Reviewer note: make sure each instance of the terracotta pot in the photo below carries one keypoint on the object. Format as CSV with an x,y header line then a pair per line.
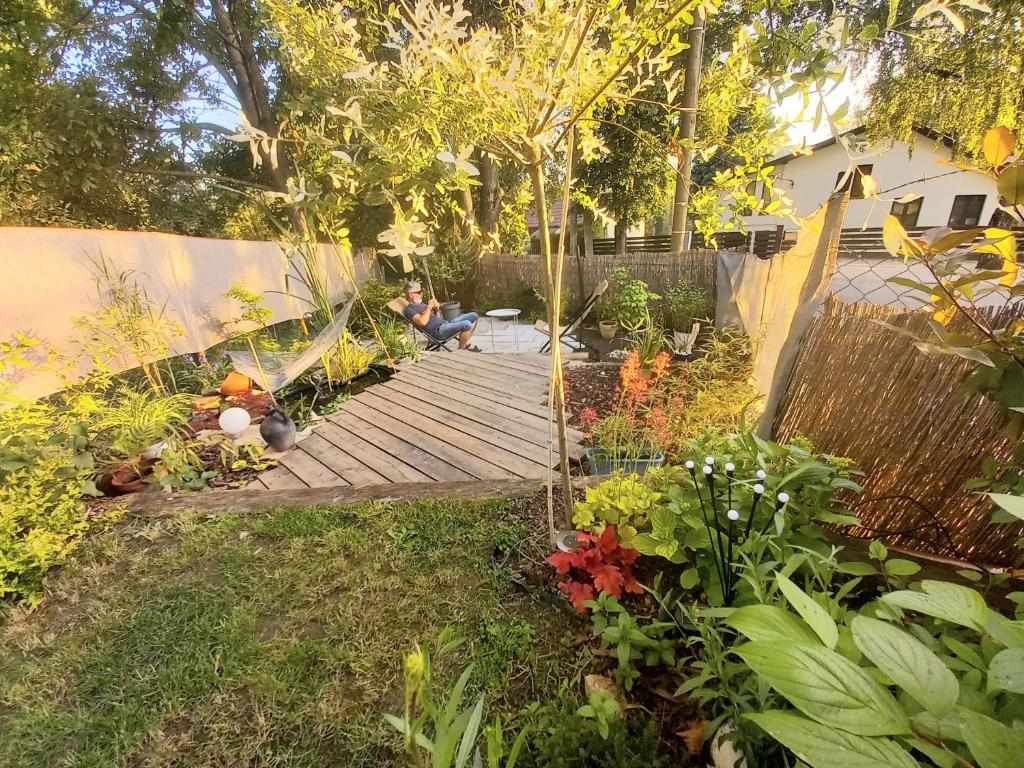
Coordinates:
x,y
235,383
126,477
608,328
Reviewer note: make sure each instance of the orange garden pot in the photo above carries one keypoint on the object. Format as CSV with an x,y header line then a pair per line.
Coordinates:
x,y
235,383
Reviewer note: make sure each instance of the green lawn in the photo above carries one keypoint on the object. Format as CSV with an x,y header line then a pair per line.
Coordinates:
x,y
268,640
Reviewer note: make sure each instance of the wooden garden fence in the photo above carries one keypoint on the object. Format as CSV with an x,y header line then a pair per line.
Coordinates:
x,y
864,391
497,273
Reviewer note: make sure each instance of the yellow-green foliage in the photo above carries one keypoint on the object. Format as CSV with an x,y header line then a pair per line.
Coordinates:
x,y
624,502
43,468
42,518
42,514
349,358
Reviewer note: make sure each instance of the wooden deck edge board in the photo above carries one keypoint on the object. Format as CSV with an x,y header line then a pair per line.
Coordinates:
x,y
249,501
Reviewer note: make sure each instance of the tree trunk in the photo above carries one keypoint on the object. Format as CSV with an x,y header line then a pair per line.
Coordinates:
x,y
553,290
687,129
250,87
588,233
620,238
489,207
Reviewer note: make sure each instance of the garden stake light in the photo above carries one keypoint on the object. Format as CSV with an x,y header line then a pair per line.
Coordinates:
x,y
758,491
781,500
709,474
707,525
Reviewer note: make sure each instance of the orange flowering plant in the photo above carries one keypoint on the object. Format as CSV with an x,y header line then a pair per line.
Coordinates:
x,y
632,430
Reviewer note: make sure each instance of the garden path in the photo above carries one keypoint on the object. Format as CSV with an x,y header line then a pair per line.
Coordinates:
x,y
451,416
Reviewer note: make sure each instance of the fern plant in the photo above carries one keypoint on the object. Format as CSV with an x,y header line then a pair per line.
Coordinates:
x,y
136,420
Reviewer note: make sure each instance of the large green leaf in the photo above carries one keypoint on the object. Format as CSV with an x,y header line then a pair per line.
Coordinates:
x,y
1010,503
1006,672
993,744
822,624
909,663
769,622
827,687
943,600
822,747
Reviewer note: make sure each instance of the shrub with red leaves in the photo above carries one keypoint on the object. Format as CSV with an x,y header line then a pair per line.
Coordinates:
x,y
596,564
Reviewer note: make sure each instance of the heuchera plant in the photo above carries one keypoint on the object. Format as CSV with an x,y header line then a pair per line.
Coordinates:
x,y
597,564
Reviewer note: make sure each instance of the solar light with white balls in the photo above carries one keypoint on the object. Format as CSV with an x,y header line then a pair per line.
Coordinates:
x,y
724,534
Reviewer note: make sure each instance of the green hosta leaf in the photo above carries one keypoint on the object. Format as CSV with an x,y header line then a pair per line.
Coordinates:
x,y
822,624
822,747
1011,504
1004,631
857,568
993,744
769,622
1006,671
908,663
898,567
827,687
943,600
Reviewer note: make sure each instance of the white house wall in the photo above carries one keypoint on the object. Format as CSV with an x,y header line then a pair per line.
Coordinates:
x,y
809,179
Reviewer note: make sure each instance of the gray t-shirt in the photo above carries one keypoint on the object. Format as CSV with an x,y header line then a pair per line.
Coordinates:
x,y
433,324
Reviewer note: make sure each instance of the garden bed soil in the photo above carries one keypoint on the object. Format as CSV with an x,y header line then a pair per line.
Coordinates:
x,y
590,385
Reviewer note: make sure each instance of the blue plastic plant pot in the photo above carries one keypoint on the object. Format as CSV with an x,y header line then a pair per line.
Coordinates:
x,y
602,464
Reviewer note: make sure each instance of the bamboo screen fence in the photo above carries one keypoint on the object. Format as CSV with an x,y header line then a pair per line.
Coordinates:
x,y
497,274
862,390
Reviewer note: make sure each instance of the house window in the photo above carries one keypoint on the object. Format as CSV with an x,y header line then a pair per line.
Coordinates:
x,y
907,213
854,181
966,210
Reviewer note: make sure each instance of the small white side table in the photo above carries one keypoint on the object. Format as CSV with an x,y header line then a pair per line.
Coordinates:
x,y
505,314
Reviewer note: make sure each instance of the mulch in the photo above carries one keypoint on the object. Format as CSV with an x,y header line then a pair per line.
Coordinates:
x,y
591,385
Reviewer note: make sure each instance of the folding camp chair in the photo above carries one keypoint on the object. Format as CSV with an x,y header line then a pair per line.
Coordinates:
x,y
570,334
433,344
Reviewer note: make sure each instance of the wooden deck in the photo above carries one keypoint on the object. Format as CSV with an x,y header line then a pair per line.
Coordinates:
x,y
450,417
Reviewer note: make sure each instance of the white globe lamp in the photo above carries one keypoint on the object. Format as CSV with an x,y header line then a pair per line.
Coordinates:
x,y
234,421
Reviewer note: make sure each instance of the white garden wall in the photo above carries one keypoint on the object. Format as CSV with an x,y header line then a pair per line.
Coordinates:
x,y
48,279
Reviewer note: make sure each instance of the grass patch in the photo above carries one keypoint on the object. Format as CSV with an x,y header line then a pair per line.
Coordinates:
x,y
273,640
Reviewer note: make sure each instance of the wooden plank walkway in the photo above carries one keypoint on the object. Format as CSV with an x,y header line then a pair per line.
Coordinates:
x,y
450,417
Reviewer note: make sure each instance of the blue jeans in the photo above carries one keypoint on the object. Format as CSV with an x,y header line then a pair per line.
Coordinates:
x,y
460,324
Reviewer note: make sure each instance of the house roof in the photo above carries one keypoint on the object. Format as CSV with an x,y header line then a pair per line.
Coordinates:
x,y
926,132
554,220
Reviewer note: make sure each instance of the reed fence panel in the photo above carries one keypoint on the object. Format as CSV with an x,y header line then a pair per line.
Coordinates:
x,y
497,274
864,391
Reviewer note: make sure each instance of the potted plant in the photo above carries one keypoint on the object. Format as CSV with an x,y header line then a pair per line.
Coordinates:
x,y
622,442
608,329
137,423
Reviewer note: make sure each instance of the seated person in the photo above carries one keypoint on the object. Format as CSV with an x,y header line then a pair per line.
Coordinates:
x,y
428,317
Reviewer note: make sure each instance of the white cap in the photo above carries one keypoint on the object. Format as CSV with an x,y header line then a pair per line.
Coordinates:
x,y
689,464
709,460
729,466
761,474
783,497
758,488
732,514
708,470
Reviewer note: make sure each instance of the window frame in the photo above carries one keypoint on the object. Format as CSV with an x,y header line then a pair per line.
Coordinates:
x,y
903,214
855,181
964,219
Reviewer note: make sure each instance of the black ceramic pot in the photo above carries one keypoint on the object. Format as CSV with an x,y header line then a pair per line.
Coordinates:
x,y
278,430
